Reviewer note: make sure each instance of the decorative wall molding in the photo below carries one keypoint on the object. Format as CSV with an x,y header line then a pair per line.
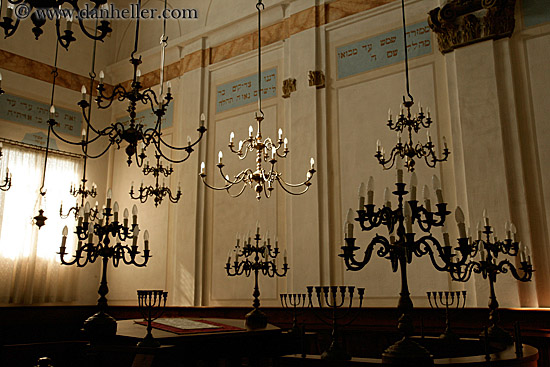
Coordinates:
x,y
316,16
463,22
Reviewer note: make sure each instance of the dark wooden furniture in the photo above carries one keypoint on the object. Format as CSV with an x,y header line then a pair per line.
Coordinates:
x,y
506,358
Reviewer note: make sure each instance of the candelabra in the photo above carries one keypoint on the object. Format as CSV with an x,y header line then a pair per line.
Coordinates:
x,y
101,325
159,192
451,299
7,180
40,11
266,151
400,247
137,136
489,266
295,302
329,296
151,305
256,258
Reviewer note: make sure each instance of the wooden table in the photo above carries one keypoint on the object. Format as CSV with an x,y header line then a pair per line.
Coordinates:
x,y
206,348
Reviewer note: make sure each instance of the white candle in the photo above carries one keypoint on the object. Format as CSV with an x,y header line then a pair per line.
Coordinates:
x,y
280,134
91,233
514,232
362,195
399,163
478,230
437,187
231,137
220,157
203,169
134,214
65,232
485,218
86,212
115,209
387,198
109,196
426,194
146,239
126,215
459,216
414,182
101,77
135,234
203,120
312,163
250,131
349,222
370,190
83,91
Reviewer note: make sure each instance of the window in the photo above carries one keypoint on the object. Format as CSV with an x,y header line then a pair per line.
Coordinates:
x,y
29,264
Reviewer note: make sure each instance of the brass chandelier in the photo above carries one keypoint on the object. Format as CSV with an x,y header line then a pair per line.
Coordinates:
x,y
40,11
267,151
407,123
136,135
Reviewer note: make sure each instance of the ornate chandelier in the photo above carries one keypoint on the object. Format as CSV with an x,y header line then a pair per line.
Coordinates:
x,y
40,11
407,123
137,136
157,191
266,151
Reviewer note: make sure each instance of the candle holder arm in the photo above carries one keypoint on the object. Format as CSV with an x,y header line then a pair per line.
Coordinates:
x,y
350,248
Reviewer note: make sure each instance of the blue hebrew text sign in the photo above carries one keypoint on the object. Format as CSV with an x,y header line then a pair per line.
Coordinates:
x,y
39,139
148,119
244,91
33,113
383,50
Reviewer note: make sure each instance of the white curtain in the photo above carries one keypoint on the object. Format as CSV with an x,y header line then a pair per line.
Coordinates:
x,y
30,269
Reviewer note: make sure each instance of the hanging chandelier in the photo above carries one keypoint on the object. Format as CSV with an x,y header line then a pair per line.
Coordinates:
x,y
407,123
40,11
136,135
159,192
266,151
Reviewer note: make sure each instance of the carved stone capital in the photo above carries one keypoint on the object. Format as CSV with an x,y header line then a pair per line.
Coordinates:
x,y
463,22
316,78
289,86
